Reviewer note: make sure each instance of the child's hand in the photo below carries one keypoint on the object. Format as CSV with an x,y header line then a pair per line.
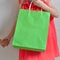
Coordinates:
x,y
5,42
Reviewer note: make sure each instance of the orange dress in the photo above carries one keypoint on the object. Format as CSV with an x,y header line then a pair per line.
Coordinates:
x,y
52,50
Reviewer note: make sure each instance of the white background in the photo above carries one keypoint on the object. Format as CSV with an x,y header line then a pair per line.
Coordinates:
x,y
10,53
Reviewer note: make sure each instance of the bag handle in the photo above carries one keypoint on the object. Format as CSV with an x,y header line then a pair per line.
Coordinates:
x,y
31,5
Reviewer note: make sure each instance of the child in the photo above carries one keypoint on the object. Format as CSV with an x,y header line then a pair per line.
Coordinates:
x,y
52,48
49,8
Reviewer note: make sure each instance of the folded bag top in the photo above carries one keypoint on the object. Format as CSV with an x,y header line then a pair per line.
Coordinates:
x,y
31,30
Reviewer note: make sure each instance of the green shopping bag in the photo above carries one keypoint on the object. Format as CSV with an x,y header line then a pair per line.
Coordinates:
x,y
31,30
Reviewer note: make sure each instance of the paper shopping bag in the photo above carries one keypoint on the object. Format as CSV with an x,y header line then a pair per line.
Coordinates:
x,y
31,30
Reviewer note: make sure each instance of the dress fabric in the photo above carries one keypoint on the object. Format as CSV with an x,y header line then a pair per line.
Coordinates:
x,y
52,50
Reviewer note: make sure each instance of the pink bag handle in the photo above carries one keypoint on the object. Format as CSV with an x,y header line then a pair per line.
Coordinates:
x,y
31,5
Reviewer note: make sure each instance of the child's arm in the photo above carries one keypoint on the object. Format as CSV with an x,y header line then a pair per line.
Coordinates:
x,y
5,41
12,30
54,8
21,1
50,8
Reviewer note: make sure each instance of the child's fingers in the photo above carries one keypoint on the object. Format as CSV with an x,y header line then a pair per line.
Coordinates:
x,y
5,43
2,44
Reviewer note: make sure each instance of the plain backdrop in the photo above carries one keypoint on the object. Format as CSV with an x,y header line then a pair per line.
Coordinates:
x,y
10,53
